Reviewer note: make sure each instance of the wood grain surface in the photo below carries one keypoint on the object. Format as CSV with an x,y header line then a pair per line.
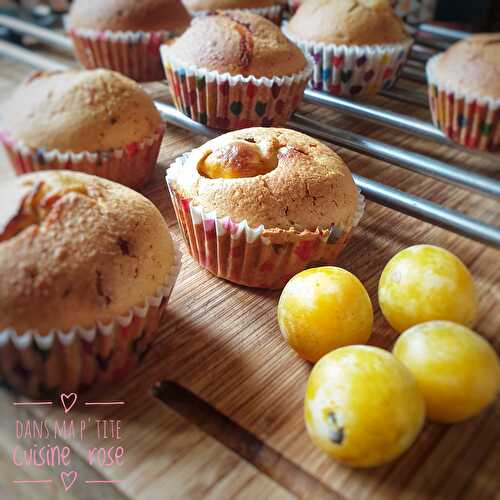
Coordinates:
x,y
227,421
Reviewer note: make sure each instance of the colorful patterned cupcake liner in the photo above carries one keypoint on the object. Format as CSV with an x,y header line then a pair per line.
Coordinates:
x,y
70,361
468,119
133,53
274,13
227,102
254,257
353,71
131,165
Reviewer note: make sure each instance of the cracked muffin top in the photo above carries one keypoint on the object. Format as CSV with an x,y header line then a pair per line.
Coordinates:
x,y
239,43
129,15
347,22
86,250
208,5
471,65
277,177
77,111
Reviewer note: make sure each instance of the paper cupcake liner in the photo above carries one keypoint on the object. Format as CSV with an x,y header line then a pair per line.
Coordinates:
x,y
353,71
466,118
131,165
133,53
226,102
254,257
274,13
70,361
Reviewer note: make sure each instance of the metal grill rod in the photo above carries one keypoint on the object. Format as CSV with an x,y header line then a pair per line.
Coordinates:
x,y
442,32
373,190
45,35
405,95
406,159
409,160
378,115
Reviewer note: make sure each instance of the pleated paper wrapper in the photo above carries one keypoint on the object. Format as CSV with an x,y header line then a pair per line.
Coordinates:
x,y
231,102
254,257
135,54
85,356
353,70
131,165
466,118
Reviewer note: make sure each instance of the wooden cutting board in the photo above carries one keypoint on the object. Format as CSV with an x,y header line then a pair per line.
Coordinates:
x,y
226,421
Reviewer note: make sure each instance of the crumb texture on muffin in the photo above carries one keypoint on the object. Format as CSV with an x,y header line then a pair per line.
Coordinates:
x,y
76,249
471,65
129,15
77,111
349,22
305,185
239,43
204,5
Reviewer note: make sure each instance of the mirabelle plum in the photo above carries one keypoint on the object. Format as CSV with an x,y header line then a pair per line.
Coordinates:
x,y
324,308
425,283
457,370
362,406
238,159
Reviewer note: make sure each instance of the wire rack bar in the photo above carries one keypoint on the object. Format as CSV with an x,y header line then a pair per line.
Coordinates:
x,y
409,160
373,190
406,159
410,125
442,32
405,95
43,34
413,74
25,56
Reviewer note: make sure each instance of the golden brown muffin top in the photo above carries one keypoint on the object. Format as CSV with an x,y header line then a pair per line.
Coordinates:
x,y
304,185
76,249
347,22
471,65
239,43
203,5
79,111
129,15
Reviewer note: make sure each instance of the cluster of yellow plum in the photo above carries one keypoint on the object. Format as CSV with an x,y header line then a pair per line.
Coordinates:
x,y
365,406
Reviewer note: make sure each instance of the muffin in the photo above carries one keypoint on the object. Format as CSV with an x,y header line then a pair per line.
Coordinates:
x,y
358,46
259,205
94,266
245,72
464,91
125,35
99,122
271,9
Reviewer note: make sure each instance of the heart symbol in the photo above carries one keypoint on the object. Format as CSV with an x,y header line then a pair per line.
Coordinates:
x,y
345,76
338,61
361,61
236,108
387,73
260,108
356,89
275,90
335,89
68,479
368,76
68,401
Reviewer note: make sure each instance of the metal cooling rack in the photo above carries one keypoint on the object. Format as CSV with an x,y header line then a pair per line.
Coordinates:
x,y
429,39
